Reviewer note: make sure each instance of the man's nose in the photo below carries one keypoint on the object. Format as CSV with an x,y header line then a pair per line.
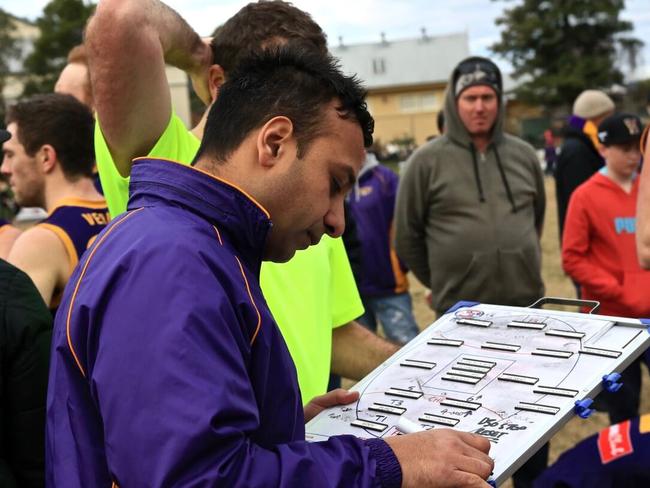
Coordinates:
x,y
5,167
335,219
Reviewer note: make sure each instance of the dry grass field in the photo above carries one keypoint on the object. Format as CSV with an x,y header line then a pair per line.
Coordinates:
x,y
558,285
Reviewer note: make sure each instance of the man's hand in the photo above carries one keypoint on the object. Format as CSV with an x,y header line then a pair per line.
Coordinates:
x,y
200,75
329,399
442,458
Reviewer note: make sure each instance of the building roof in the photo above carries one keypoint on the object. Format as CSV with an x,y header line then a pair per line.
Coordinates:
x,y
423,60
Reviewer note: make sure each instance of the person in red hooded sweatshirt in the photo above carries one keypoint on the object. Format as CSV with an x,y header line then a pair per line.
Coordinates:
x,y
598,246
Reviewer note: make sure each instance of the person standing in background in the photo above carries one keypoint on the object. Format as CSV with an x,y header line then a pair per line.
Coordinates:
x,y
643,207
8,233
550,152
49,161
383,285
25,335
579,156
470,208
598,246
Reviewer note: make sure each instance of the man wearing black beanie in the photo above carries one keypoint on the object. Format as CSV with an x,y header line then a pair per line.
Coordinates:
x,y
470,207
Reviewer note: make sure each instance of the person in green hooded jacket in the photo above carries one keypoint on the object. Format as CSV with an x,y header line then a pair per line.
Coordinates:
x,y
470,208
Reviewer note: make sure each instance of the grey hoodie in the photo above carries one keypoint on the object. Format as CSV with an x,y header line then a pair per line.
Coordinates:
x,y
469,226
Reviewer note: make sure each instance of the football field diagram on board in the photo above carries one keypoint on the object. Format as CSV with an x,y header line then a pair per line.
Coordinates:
x,y
510,374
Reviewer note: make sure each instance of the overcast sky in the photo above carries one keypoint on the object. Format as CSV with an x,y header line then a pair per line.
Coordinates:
x,y
364,20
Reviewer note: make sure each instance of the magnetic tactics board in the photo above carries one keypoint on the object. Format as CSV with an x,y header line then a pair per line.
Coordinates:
x,y
510,374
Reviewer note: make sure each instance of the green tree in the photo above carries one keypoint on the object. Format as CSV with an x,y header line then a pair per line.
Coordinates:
x,y
637,98
61,25
559,48
8,50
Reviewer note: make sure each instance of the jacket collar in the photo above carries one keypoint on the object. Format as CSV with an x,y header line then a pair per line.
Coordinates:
x,y
231,210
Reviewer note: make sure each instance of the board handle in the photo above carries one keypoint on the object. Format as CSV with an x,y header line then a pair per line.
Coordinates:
x,y
566,301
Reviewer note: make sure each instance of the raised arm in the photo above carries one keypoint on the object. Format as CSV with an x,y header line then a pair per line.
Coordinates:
x,y
128,45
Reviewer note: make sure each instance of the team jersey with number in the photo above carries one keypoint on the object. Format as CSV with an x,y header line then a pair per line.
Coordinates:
x,y
76,222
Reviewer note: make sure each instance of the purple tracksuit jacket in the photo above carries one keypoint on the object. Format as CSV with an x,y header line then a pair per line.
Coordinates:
x,y
616,457
372,204
167,366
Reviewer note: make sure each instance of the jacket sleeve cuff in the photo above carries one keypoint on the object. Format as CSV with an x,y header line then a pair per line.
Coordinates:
x,y
389,472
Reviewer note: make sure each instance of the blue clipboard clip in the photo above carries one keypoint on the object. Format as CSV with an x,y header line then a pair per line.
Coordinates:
x,y
611,382
583,408
646,322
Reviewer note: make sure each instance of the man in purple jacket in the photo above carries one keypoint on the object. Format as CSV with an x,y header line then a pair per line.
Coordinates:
x,y
168,368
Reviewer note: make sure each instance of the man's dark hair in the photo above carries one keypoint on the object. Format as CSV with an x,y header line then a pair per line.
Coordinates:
x,y
60,121
287,81
261,25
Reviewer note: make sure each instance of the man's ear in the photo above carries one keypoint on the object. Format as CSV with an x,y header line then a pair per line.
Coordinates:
x,y
276,141
46,156
216,78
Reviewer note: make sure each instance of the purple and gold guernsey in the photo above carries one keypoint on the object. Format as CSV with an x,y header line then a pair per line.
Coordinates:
x,y
8,234
76,222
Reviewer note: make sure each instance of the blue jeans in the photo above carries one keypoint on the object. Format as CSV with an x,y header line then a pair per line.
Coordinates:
x,y
395,313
